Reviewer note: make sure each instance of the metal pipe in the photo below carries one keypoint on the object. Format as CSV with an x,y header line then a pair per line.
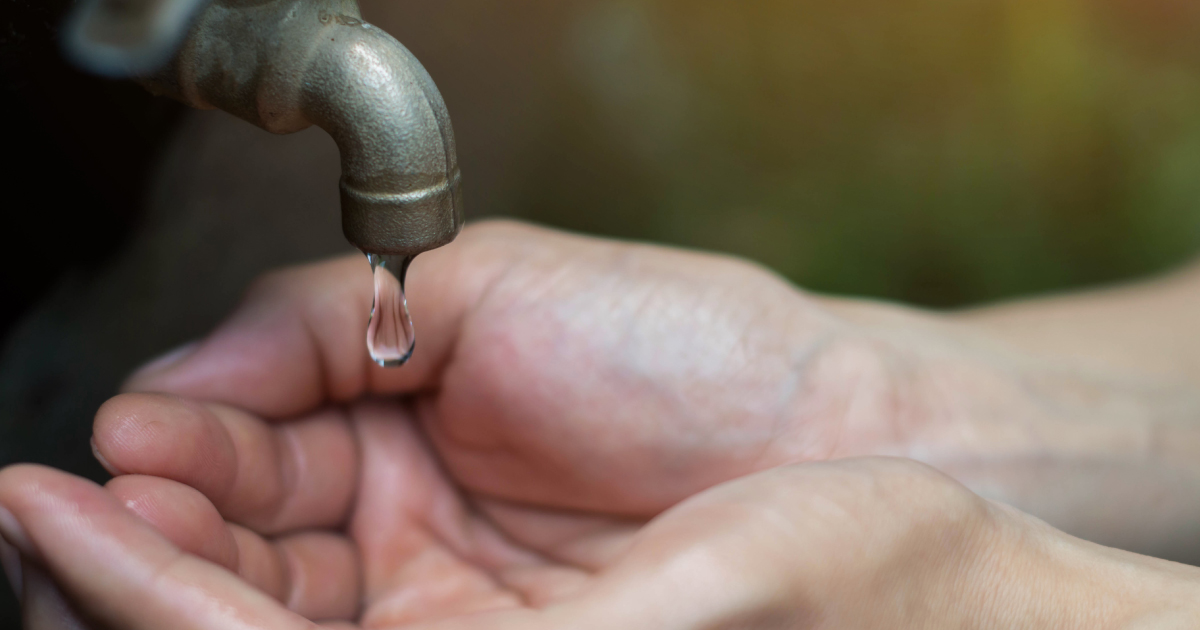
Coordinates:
x,y
287,64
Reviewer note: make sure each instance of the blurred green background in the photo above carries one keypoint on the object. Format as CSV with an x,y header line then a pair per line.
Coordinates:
x,y
936,152
933,151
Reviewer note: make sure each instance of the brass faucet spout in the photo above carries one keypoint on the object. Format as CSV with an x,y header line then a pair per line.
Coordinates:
x,y
287,64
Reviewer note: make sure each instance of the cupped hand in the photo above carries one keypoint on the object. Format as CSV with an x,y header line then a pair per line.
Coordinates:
x,y
564,371
586,374
863,543
565,391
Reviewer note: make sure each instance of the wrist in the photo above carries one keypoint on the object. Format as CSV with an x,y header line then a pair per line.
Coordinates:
x,y
1062,441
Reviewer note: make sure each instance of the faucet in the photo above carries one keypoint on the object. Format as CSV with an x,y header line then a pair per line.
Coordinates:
x,y
285,65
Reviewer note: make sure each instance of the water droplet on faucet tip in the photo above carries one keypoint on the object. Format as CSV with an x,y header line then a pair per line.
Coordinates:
x,y
390,338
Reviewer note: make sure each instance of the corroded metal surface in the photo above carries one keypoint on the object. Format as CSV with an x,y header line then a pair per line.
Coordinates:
x,y
287,64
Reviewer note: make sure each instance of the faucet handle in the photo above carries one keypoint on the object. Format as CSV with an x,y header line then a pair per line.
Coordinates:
x,y
126,38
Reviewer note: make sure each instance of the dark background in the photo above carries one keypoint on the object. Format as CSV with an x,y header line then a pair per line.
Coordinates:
x,y
941,153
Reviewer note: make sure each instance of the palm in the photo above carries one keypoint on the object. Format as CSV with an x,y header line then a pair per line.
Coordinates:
x,y
624,379
431,550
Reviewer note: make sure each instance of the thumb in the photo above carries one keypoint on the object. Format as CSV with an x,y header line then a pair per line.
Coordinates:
x,y
299,338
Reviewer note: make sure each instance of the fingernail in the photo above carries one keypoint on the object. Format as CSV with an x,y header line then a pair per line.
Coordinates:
x,y
163,362
13,532
10,558
100,458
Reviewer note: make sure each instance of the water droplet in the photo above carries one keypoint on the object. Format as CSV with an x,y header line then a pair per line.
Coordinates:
x,y
390,338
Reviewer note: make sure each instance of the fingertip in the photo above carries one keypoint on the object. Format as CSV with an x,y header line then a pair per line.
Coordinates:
x,y
17,481
181,514
165,436
16,475
104,463
27,488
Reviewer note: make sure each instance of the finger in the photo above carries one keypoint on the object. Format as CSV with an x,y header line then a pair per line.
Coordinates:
x,y
318,575
181,514
191,522
298,337
272,479
43,606
116,568
260,564
314,574
323,575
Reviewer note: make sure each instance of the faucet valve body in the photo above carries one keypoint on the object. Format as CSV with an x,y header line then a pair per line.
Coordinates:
x,y
287,64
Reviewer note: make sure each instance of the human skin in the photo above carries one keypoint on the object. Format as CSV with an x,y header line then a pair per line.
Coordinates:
x,y
1082,409
566,385
857,543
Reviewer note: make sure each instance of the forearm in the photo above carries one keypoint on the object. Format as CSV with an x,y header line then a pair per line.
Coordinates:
x,y
1151,328
1128,363
1083,410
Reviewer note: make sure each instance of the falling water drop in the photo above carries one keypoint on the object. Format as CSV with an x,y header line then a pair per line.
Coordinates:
x,y
390,338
